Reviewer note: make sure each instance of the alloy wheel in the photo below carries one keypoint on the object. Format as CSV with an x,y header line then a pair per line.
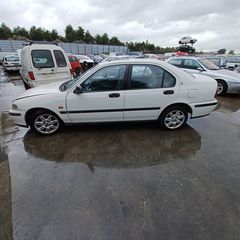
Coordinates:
x,y
46,123
174,119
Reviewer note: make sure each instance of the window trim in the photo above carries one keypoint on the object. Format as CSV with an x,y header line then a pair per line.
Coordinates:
x,y
164,70
58,50
125,79
33,63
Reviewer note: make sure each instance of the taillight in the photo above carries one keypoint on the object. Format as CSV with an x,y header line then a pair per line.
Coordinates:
x,y
31,75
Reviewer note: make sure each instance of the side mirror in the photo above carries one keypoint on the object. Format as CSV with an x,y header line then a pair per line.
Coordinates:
x,y
78,90
200,69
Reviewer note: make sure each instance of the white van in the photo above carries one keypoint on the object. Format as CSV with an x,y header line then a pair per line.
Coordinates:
x,y
44,63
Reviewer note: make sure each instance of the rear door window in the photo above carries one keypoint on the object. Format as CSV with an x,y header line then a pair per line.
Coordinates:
x,y
42,59
60,59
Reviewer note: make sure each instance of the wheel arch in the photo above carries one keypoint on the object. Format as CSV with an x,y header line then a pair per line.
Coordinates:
x,y
184,105
32,110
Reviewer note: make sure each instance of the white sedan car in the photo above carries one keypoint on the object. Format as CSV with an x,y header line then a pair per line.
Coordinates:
x,y
126,90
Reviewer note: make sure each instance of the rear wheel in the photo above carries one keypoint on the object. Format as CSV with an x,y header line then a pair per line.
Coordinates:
x,y
173,117
45,123
221,87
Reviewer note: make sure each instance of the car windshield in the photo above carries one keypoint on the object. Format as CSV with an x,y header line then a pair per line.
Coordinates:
x,y
68,84
12,59
209,65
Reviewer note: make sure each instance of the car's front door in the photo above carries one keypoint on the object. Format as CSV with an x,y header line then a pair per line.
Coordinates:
x,y
151,89
101,98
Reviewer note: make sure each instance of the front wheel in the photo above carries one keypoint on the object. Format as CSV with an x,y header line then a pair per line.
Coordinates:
x,y
173,118
45,123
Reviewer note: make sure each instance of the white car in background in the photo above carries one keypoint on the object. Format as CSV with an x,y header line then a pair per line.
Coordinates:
x,y
11,63
187,39
86,62
44,63
228,81
126,90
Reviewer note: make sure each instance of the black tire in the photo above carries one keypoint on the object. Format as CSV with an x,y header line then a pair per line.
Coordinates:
x,y
49,122
221,88
168,122
26,86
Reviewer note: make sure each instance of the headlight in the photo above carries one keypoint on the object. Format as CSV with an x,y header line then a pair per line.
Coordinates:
x,y
14,106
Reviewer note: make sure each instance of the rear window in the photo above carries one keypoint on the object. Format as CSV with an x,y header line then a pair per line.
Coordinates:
x,y
60,59
42,59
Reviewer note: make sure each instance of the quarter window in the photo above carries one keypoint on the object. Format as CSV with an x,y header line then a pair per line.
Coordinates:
x,y
60,59
42,59
106,79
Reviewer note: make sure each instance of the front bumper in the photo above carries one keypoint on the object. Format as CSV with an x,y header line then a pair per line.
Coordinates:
x,y
203,108
12,68
18,117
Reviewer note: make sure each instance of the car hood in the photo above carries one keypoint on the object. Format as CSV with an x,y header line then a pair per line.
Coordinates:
x,y
41,90
223,73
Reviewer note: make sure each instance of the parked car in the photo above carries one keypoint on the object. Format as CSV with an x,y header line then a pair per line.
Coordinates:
x,y
44,63
11,63
76,68
218,61
228,81
126,90
232,62
86,62
187,39
115,58
96,58
237,69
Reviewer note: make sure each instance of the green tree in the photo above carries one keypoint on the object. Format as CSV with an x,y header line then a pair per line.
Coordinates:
x,y
5,31
105,39
88,38
222,51
54,35
37,34
98,39
80,34
231,52
70,34
115,41
20,31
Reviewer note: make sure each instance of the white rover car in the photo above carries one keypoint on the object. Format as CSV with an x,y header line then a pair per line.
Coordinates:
x,y
126,90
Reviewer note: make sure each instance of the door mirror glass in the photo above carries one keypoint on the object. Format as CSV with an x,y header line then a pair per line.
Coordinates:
x,y
200,69
78,90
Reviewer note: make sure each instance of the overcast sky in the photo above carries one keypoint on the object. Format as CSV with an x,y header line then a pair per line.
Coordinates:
x,y
215,23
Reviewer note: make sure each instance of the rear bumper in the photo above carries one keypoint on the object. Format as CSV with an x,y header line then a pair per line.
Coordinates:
x,y
202,109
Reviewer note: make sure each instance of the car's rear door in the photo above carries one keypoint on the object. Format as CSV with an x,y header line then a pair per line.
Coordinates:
x,y
102,97
151,88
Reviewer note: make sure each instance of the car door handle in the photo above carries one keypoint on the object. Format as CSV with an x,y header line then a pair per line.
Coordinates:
x,y
168,92
114,95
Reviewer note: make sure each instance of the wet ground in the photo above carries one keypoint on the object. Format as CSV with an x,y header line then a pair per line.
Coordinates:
x,y
113,182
